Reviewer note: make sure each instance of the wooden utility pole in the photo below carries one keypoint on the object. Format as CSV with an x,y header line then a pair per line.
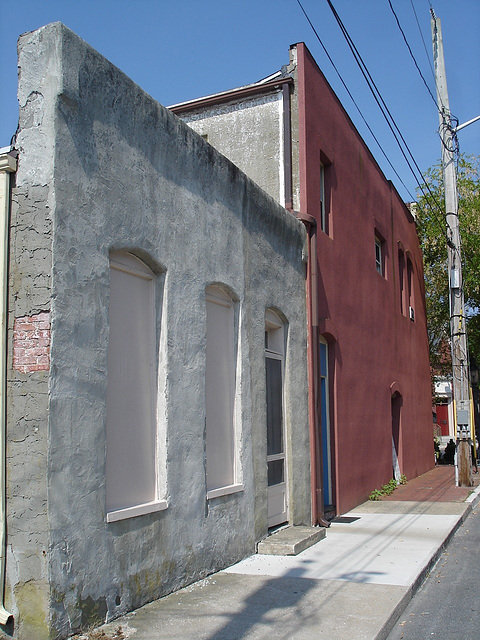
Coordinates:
x,y
460,381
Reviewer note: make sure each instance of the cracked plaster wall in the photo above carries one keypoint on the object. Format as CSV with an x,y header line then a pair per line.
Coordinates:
x,y
104,167
29,295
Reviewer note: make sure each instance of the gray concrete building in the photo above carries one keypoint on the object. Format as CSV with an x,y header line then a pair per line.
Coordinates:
x,y
157,409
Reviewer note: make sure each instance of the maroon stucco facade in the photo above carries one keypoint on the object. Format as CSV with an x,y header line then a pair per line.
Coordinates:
x,y
378,356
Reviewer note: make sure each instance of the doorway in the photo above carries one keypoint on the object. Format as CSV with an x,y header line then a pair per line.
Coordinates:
x,y
396,403
276,456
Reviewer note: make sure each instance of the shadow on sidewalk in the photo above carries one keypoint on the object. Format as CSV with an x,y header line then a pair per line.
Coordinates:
x,y
287,607
278,597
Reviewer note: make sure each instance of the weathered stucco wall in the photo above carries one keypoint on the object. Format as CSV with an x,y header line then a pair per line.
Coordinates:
x,y
249,143
370,337
105,167
30,299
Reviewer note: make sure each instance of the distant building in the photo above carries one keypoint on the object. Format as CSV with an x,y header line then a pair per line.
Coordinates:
x,y
370,397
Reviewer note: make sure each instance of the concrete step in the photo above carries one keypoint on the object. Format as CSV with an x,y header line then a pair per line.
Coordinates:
x,y
290,541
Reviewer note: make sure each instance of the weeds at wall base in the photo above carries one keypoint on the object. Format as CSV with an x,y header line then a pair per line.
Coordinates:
x,y
387,489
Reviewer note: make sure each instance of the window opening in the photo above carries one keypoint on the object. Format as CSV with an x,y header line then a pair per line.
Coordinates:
x,y
323,219
379,255
401,278
411,312
220,390
131,427
276,457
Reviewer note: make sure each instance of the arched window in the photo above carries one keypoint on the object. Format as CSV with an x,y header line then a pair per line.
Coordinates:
x,y
131,430
220,369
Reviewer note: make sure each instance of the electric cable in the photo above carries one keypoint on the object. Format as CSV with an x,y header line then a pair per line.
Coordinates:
x,y
353,99
377,95
422,184
384,109
423,40
411,54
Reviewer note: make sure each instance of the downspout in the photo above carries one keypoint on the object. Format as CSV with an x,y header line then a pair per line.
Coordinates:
x,y
316,453
8,165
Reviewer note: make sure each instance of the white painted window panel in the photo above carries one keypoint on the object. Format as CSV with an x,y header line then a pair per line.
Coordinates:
x,y
220,388
131,432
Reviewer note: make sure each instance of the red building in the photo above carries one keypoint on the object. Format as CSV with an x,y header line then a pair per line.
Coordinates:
x,y
370,409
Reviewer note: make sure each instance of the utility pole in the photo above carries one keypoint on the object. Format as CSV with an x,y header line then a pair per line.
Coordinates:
x,y
460,382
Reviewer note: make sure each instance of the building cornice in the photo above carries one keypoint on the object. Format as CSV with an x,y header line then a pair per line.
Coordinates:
x,y
232,95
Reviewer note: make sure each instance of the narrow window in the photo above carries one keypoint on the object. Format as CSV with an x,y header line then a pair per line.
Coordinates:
x,y
131,430
401,280
379,255
411,311
323,215
220,390
325,173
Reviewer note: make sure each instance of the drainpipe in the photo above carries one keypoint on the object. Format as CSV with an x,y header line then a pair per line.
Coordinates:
x,y
8,165
316,453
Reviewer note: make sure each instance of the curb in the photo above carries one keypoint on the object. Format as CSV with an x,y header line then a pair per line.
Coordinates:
x,y
470,504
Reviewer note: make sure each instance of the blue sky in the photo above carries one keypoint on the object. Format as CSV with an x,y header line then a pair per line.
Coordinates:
x,y
181,50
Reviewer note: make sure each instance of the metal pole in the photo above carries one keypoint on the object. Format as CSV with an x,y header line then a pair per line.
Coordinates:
x,y
460,375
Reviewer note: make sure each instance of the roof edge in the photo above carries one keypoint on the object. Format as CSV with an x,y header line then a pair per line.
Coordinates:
x,y
228,96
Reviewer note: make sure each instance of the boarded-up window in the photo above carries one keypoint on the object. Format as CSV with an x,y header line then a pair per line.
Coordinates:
x,y
220,389
131,477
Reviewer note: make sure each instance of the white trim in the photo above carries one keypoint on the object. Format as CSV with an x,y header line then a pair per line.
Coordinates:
x,y
7,162
281,159
224,491
137,510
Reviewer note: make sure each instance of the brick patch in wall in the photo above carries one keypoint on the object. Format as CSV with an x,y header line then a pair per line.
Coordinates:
x,y
31,343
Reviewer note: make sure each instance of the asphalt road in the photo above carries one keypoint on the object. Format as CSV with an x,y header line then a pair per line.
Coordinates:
x,y
447,606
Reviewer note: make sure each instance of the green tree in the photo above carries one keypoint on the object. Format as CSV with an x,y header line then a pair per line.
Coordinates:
x,y
432,234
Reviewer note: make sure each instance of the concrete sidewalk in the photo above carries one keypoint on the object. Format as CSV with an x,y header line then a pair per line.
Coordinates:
x,y
354,583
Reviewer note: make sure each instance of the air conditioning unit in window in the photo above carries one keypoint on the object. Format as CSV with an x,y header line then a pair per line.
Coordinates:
x,y
411,314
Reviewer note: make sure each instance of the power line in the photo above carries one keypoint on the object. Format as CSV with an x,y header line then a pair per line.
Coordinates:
x,y
411,53
422,184
353,99
390,120
423,40
384,109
